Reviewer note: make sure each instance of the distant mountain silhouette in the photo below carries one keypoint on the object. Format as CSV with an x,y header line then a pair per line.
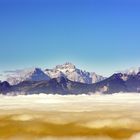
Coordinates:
x,y
119,82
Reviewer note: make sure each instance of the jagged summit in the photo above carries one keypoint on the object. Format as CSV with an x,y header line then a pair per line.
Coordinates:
x,y
129,72
66,65
72,73
132,71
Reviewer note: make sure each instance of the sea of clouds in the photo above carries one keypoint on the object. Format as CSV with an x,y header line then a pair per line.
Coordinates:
x,y
72,102
120,110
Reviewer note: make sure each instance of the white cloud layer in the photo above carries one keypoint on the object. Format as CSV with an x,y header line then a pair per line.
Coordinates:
x,y
119,111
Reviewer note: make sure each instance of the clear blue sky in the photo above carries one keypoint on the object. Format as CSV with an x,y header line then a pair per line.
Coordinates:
x,y
96,35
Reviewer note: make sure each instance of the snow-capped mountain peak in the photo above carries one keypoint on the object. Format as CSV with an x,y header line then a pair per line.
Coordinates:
x,y
70,71
129,72
30,74
66,66
132,71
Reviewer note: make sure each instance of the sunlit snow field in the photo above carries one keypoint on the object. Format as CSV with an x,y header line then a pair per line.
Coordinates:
x,y
81,117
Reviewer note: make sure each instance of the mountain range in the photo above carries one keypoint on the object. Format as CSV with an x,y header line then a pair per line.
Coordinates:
x,y
67,70
67,79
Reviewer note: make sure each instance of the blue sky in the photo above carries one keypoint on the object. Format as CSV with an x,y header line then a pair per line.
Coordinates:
x,y
96,35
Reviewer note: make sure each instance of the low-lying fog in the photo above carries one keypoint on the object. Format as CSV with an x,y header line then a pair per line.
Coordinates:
x,y
71,117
